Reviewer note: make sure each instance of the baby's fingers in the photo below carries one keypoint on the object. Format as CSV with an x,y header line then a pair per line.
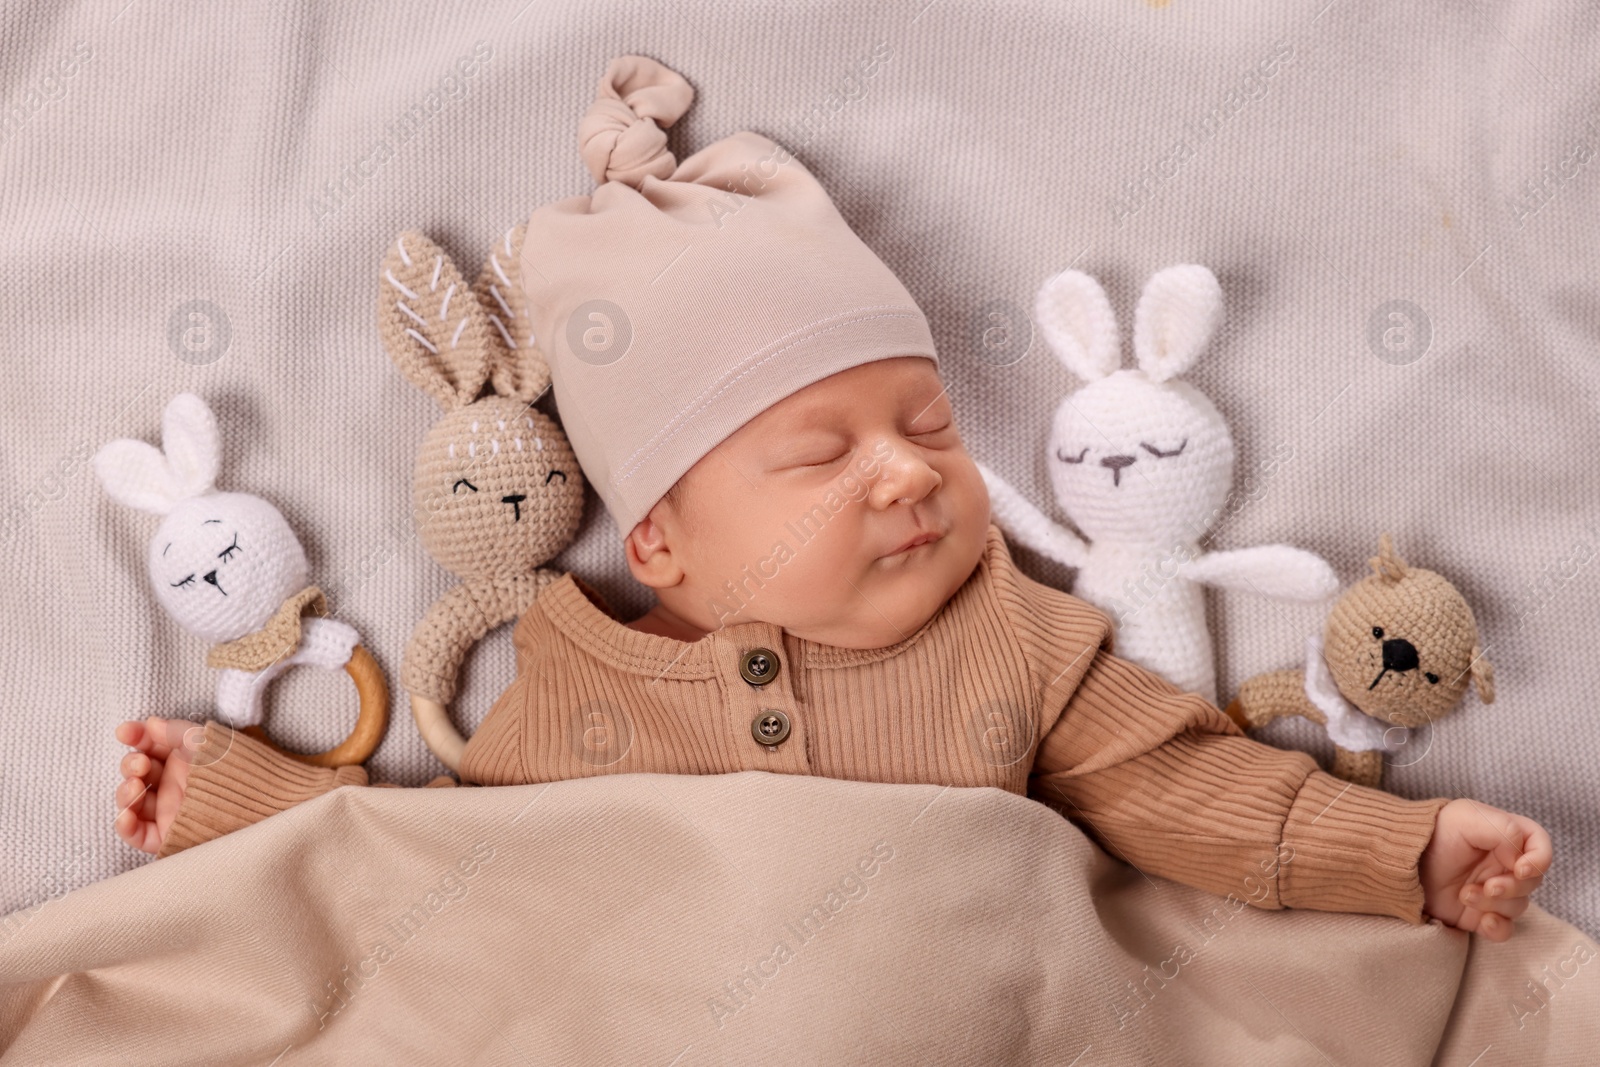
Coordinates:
x,y
1537,851
1507,907
139,765
1486,924
156,737
134,794
140,833
1505,887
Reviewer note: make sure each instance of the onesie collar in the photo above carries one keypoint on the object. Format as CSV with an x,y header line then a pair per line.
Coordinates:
x,y
578,610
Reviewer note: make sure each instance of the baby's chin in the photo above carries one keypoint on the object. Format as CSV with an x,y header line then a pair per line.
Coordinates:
x,y
896,596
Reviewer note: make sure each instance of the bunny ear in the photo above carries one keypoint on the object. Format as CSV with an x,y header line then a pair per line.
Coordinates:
x,y
136,475
1177,315
436,333
1078,324
519,368
139,476
192,444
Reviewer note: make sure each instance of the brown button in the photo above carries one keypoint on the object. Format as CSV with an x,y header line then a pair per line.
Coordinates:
x,y
770,727
758,666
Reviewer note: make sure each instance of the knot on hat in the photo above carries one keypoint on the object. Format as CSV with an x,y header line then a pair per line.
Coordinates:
x,y
622,137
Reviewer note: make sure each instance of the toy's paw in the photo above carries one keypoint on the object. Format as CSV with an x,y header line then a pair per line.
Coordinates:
x,y
1361,768
326,643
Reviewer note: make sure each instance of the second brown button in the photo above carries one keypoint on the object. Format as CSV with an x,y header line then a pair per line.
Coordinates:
x,y
770,726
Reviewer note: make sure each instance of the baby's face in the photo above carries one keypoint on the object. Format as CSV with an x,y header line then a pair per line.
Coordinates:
x,y
799,517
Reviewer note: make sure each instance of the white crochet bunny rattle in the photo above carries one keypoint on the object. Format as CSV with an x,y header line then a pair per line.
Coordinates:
x,y
1142,462
228,569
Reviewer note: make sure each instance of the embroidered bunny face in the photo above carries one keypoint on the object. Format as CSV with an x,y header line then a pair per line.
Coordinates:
x,y
1137,457
497,490
223,563
1138,461
220,563
491,470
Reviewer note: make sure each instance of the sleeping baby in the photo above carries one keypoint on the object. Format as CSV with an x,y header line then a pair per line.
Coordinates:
x,y
757,400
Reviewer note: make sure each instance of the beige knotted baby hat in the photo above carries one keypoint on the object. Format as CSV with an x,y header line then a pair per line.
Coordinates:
x,y
678,301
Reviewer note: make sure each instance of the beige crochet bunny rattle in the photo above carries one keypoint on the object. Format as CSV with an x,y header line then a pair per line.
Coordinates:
x,y
498,490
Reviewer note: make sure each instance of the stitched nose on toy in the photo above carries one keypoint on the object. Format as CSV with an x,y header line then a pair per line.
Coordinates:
x,y
1398,655
1116,463
211,576
515,500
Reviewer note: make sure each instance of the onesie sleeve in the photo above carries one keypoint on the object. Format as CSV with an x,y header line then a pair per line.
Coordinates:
x,y
1165,781
235,780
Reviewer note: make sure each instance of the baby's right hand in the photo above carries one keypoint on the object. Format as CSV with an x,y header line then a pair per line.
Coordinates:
x,y
154,778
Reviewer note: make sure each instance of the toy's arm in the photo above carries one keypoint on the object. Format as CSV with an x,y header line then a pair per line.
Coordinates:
x,y
456,622
1280,571
239,694
1028,526
323,643
235,780
1272,696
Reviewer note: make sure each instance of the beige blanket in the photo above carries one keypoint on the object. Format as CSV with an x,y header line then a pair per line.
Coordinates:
x,y
739,919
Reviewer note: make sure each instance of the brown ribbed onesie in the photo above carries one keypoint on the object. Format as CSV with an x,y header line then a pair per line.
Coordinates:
x,y
1012,684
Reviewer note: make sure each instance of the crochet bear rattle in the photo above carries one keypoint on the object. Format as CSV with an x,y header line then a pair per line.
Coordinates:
x,y
228,569
1399,650
497,491
1142,463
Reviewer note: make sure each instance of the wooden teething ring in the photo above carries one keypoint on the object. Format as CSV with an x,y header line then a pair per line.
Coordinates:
x,y
371,720
433,722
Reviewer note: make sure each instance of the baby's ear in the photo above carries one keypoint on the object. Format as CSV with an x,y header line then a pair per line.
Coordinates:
x,y
649,557
1482,675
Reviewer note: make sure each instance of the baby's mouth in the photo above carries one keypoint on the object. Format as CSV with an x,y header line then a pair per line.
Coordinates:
x,y
909,547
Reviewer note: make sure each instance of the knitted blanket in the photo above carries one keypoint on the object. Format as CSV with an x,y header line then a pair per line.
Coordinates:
x,y
1398,200
746,919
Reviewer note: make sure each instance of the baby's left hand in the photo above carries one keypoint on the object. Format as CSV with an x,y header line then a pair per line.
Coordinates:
x,y
1480,866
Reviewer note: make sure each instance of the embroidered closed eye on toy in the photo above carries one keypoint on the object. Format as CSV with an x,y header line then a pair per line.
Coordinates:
x,y
228,569
1142,462
1399,649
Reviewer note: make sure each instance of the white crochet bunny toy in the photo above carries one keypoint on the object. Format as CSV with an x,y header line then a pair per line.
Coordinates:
x,y
228,569
1142,462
